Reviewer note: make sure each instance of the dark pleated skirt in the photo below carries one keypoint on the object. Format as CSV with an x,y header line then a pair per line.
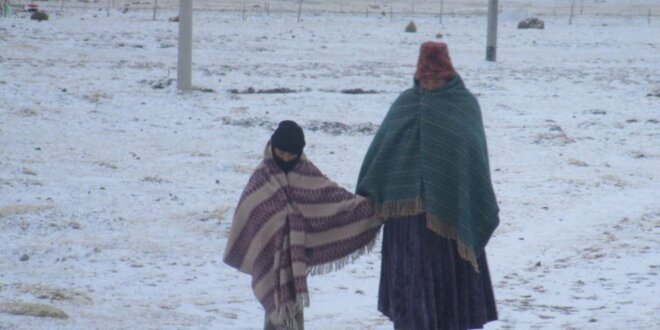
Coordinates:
x,y
424,283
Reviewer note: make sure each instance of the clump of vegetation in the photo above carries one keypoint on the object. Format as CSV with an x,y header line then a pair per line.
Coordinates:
x,y
39,15
252,90
531,23
358,91
411,27
27,309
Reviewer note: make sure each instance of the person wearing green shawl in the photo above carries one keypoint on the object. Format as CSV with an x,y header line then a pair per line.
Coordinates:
x,y
428,174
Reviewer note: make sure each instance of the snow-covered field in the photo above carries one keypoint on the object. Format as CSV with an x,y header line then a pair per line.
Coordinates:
x,y
117,191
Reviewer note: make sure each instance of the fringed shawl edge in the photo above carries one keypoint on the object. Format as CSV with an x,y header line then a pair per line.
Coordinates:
x,y
435,223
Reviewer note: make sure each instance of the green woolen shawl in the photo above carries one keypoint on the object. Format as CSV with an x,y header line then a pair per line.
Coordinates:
x,y
430,157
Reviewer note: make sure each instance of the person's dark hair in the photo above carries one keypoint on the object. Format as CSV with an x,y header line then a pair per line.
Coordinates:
x,y
288,137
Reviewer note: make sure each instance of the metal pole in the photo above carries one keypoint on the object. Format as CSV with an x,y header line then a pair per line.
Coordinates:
x,y
491,43
299,9
243,13
155,8
184,73
442,5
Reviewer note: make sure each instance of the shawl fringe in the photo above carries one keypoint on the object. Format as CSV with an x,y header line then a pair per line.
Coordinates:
x,y
412,207
396,209
446,230
341,262
290,311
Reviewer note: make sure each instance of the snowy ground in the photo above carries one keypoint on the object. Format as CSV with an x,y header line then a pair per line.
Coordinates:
x,y
116,191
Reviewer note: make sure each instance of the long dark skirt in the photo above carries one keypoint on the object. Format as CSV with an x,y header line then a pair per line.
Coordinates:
x,y
424,283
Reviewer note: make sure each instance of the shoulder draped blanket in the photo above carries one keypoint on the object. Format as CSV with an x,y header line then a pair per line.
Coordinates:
x,y
288,225
430,157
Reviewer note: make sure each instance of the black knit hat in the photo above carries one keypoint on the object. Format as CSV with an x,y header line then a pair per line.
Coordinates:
x,y
288,137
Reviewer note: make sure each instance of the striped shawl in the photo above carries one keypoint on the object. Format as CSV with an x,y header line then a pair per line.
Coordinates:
x,y
288,225
429,157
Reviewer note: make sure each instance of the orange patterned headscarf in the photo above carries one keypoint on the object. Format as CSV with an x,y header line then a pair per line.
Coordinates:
x,y
434,66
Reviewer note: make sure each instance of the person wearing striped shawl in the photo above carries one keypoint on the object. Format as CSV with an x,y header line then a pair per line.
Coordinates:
x,y
427,172
291,220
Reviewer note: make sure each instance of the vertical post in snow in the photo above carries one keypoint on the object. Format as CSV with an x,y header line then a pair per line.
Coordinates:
x,y
442,5
184,65
155,8
581,7
491,42
108,8
61,6
649,22
570,18
299,9
243,13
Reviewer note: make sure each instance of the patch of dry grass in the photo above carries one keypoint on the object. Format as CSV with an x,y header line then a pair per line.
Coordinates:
x,y
30,309
21,209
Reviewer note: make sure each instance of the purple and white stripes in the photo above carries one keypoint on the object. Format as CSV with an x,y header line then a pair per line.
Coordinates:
x,y
285,225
